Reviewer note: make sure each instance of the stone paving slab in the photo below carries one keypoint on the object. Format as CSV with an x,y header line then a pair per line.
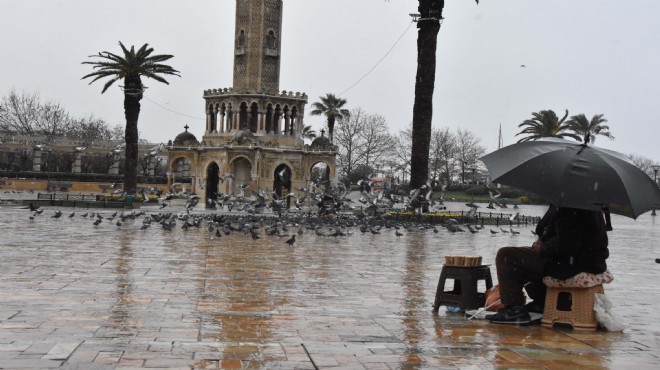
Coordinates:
x,y
77,296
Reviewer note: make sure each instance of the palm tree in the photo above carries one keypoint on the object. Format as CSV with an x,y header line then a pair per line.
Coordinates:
x,y
130,67
331,107
430,14
545,124
588,130
428,23
308,133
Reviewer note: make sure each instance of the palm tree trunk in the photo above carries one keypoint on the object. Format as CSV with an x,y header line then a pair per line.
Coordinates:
x,y
427,39
331,128
132,112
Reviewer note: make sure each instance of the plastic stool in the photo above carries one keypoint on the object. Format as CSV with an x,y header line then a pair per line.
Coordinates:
x,y
465,292
573,306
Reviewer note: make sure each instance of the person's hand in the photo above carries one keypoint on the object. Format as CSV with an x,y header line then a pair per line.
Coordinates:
x,y
536,246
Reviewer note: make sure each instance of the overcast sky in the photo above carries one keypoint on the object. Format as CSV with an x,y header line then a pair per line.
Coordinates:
x,y
587,56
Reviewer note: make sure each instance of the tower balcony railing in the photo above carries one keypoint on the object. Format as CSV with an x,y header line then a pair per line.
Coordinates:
x,y
270,52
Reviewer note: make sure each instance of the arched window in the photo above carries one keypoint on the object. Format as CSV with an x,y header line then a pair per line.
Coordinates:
x,y
241,39
270,40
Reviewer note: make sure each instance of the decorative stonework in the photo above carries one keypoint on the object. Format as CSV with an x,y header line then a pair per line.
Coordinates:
x,y
254,119
243,137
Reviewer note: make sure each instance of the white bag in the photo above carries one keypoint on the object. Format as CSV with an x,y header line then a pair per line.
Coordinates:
x,y
606,318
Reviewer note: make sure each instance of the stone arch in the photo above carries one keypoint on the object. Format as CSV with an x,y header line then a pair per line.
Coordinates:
x,y
286,114
211,111
269,118
243,116
254,117
176,160
240,40
241,169
294,121
321,173
277,119
212,180
282,181
181,170
271,39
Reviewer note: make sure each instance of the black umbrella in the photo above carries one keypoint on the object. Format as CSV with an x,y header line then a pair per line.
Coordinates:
x,y
571,174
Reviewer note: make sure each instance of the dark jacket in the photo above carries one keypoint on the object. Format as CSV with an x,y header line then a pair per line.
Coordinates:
x,y
574,241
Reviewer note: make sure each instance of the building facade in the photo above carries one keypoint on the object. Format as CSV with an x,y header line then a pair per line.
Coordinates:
x,y
252,135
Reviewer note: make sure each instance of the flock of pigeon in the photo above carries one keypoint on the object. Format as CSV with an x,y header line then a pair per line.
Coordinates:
x,y
328,213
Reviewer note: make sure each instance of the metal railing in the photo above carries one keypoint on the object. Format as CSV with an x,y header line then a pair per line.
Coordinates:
x,y
67,196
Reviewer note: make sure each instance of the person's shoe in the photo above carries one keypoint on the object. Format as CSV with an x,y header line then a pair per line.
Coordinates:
x,y
511,315
534,306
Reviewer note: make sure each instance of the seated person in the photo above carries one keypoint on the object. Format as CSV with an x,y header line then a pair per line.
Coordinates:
x,y
570,241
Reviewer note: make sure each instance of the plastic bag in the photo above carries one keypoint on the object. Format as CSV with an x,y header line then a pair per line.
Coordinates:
x,y
606,318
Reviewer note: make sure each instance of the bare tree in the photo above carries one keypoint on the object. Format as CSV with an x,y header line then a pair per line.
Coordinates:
x,y
443,154
91,129
400,151
375,139
363,139
52,121
25,114
19,113
645,164
468,151
346,136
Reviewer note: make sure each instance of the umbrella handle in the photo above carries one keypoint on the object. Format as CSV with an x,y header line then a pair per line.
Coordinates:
x,y
608,221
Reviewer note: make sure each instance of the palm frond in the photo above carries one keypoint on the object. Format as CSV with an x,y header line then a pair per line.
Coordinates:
x,y
131,65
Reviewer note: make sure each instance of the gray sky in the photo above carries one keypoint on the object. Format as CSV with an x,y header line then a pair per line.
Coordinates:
x,y
587,56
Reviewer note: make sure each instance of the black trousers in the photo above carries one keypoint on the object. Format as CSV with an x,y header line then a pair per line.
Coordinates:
x,y
520,268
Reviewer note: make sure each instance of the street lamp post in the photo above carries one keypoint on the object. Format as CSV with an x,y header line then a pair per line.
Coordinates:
x,y
655,180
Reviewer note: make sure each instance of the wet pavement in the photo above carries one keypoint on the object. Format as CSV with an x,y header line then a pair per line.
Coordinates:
x,y
75,295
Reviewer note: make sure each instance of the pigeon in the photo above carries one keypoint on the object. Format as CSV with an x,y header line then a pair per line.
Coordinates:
x,y
291,240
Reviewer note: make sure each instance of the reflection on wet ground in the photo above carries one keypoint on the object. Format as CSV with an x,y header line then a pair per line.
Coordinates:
x,y
78,295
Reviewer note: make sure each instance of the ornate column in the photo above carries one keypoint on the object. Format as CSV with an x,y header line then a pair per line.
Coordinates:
x,y
228,121
262,121
287,122
222,116
208,121
299,123
215,119
278,124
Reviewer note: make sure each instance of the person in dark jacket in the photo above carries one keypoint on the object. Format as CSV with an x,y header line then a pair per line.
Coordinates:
x,y
570,241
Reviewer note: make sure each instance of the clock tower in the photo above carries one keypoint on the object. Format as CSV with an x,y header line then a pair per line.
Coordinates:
x,y
257,46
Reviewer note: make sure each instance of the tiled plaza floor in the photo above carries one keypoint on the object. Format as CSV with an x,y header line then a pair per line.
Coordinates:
x,y
75,295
